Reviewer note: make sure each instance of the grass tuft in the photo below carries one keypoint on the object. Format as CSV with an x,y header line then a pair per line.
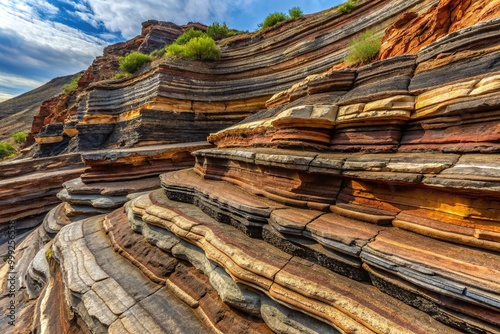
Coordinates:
x,y
347,7
363,48
73,85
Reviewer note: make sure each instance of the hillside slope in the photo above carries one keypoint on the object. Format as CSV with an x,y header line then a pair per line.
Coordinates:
x,y
17,113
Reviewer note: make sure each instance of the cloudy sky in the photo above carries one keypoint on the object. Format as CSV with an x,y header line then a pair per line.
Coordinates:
x,y
40,40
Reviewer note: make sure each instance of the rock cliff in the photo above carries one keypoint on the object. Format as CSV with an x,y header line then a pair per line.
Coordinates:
x,y
327,199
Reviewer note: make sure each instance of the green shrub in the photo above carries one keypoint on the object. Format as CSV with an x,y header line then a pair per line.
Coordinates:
x,y
347,7
218,31
19,137
73,85
363,48
175,50
273,19
197,48
6,150
158,53
295,12
188,35
133,61
202,48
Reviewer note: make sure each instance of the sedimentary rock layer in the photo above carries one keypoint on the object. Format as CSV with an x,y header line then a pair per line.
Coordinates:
x,y
28,187
361,200
377,197
289,280
441,99
133,163
214,95
403,187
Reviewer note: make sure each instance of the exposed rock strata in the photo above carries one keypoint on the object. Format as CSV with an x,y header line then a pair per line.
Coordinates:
x,y
361,201
206,97
443,98
28,187
257,264
108,182
411,31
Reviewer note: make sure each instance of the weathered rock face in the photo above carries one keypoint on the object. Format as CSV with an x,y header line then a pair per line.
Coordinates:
x,y
28,187
359,201
52,111
411,31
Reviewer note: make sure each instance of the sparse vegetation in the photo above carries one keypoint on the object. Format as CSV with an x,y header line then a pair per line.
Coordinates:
x,y
273,19
347,7
48,254
19,137
199,46
175,50
363,48
120,75
73,85
6,150
219,31
295,12
133,61
202,48
158,53
188,35
10,147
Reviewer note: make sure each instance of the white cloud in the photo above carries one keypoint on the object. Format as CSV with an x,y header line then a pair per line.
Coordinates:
x,y
4,96
126,16
15,81
45,7
39,48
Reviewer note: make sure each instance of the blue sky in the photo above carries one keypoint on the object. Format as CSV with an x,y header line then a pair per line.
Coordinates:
x,y
41,40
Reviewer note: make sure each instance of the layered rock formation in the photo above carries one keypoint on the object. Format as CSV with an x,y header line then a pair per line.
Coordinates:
x,y
206,97
411,31
28,187
359,201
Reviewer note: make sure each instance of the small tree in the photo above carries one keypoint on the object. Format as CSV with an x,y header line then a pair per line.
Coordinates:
x,y
175,50
363,48
219,31
133,61
295,12
196,45
198,48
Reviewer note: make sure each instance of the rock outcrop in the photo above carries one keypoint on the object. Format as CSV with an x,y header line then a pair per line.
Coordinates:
x,y
411,31
355,200
209,96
